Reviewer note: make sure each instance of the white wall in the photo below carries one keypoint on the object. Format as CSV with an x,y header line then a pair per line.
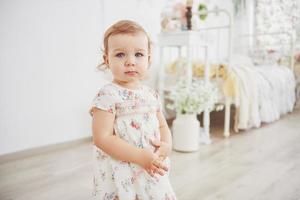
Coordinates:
x,y
48,54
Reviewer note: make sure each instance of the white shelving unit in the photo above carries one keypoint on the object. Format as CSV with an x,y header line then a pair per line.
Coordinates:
x,y
185,42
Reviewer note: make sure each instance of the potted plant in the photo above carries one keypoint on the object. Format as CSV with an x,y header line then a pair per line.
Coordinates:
x,y
189,99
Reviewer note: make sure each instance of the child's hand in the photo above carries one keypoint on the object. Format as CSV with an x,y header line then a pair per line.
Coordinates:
x,y
152,163
160,168
162,149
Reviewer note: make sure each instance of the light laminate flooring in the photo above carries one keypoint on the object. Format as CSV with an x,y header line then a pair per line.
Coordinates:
x,y
258,164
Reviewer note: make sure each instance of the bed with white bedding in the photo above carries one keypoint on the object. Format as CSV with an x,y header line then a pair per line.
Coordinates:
x,y
262,81
264,93
260,93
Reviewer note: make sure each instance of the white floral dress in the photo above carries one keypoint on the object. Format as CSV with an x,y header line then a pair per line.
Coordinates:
x,y
135,122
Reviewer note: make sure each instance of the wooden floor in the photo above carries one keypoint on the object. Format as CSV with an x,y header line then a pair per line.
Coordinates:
x,y
258,164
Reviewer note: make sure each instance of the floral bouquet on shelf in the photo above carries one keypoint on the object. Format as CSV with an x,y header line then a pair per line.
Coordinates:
x,y
193,97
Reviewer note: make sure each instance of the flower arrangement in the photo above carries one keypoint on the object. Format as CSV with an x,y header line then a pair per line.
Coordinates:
x,y
192,98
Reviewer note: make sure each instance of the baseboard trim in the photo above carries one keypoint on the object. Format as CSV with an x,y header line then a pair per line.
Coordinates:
x,y
43,149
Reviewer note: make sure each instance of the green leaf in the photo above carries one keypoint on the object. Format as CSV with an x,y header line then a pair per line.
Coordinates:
x,y
202,7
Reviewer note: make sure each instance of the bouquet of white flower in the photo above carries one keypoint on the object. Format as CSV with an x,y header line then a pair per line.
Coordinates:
x,y
192,98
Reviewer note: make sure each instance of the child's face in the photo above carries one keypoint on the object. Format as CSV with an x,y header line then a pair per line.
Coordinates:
x,y
128,57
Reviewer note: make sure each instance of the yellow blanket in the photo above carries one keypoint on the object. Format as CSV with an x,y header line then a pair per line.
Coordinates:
x,y
229,87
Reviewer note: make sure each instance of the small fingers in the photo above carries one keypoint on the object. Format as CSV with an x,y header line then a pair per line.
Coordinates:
x,y
160,164
160,172
156,170
150,172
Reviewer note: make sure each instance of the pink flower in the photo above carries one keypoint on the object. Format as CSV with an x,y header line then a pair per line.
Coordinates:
x,y
135,125
180,7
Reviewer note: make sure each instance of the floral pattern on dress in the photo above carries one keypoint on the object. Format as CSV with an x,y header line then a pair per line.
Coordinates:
x,y
135,122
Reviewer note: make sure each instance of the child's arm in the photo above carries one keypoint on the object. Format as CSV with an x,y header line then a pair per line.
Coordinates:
x,y
119,149
165,144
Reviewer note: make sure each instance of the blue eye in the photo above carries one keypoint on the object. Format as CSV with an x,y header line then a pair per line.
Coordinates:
x,y
120,55
139,55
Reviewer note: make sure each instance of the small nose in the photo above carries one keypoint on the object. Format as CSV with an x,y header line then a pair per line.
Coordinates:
x,y
130,61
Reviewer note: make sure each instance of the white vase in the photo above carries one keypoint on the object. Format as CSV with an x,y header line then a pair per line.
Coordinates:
x,y
186,129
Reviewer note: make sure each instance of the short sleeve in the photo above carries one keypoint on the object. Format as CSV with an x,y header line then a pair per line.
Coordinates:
x,y
104,100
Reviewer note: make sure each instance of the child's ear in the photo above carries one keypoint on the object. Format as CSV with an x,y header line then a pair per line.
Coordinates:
x,y
149,61
105,59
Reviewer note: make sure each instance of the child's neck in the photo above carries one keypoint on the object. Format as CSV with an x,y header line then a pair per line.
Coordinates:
x,y
131,85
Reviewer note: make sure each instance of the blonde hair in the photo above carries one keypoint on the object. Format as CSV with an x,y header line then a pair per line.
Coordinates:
x,y
122,27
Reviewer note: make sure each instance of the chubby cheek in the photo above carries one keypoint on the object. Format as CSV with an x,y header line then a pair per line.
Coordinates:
x,y
144,72
143,63
117,71
116,64
145,75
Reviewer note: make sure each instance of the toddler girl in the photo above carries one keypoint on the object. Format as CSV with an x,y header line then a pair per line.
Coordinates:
x,y
131,138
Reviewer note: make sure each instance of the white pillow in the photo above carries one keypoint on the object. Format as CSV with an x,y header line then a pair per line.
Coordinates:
x,y
265,57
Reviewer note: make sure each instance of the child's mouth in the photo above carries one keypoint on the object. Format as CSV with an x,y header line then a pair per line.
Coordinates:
x,y
131,73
